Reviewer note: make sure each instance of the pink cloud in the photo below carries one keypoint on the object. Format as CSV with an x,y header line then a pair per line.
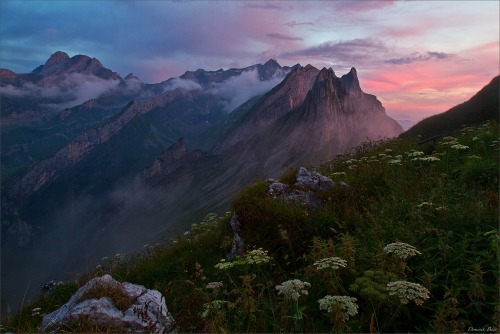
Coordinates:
x,y
424,88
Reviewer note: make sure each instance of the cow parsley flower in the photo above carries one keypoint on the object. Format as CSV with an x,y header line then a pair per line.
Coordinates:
x,y
293,289
460,147
330,262
224,265
345,303
407,291
257,256
401,250
415,153
214,285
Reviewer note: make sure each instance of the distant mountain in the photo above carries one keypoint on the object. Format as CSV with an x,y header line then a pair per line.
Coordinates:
x,y
481,107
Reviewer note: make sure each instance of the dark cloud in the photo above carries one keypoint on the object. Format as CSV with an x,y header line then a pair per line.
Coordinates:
x,y
418,57
285,37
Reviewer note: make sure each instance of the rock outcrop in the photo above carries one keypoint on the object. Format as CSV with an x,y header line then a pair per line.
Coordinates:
x,y
304,191
147,311
238,243
174,157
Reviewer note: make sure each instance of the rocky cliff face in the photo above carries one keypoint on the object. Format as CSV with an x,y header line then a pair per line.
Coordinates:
x,y
337,115
173,157
281,100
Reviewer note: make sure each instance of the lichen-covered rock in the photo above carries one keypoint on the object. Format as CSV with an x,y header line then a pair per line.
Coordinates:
x,y
238,243
313,180
147,311
276,189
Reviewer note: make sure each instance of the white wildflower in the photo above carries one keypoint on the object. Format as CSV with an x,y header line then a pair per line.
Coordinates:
x,y
345,303
460,147
407,291
388,150
401,250
330,262
257,256
415,153
394,162
475,138
187,233
292,289
339,174
214,285
224,265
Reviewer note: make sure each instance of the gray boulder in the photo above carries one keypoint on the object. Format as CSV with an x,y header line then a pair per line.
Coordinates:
x,y
146,313
313,180
238,243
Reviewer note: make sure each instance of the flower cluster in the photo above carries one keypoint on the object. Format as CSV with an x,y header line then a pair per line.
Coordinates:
x,y
401,250
415,154
459,147
256,256
214,285
292,289
330,262
407,291
35,311
394,162
345,303
428,159
224,265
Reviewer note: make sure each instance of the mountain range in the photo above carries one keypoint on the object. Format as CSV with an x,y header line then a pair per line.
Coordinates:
x,y
94,164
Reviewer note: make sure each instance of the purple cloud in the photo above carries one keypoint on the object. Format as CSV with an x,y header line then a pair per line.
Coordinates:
x,y
418,57
294,24
284,37
355,50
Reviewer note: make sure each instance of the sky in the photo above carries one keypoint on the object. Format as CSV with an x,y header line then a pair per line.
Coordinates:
x,y
418,57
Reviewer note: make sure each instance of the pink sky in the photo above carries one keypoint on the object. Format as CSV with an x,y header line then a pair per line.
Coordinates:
x,y
418,57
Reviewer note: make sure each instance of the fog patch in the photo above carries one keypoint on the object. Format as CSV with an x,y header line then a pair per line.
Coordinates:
x,y
174,83
73,89
237,90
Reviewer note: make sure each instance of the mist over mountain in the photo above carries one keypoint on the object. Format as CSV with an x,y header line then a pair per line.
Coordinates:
x,y
136,163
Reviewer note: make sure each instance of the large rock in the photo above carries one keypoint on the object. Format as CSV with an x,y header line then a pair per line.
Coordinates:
x,y
238,243
147,311
313,180
303,192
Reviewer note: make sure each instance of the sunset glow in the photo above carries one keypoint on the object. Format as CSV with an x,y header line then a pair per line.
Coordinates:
x,y
418,57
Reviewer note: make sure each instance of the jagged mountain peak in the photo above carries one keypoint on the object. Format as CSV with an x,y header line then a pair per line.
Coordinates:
x,y
350,81
131,76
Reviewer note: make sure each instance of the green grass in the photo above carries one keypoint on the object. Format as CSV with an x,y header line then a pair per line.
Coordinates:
x,y
442,198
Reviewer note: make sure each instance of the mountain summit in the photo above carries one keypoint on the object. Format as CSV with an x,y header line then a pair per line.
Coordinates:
x,y
60,63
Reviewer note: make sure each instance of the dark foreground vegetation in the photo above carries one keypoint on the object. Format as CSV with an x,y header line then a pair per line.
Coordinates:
x,y
411,245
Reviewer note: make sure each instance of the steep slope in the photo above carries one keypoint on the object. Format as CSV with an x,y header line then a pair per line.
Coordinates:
x,y
484,105
282,99
335,115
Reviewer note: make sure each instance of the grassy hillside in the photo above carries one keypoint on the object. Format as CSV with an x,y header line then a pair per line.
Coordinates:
x,y
481,107
410,246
